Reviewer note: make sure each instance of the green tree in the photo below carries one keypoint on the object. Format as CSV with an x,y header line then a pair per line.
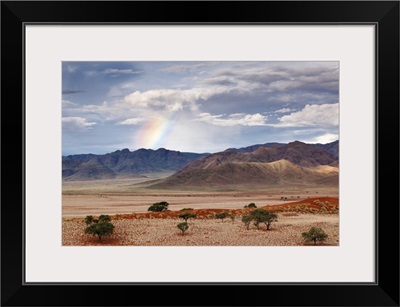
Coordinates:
x,y
187,215
104,218
88,219
221,216
269,218
314,235
263,216
159,207
101,227
183,227
246,219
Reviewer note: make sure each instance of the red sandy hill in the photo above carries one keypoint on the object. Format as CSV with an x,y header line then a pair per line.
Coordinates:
x,y
308,205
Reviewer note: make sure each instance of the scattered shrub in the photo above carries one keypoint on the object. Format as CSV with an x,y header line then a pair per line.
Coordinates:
x,y
221,216
246,219
159,207
314,235
187,215
263,216
104,218
251,205
88,219
186,209
101,227
183,227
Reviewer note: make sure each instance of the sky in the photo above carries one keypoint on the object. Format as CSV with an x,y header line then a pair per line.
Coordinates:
x,y
196,106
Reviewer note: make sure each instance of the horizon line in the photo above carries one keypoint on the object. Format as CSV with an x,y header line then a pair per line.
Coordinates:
x,y
142,148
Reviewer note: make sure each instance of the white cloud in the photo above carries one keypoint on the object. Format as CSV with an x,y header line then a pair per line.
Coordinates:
x,y
131,121
71,68
312,115
172,99
184,68
326,138
69,104
113,71
238,119
284,110
76,124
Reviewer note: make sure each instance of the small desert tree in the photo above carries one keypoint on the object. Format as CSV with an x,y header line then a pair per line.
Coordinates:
x,y
246,219
159,207
88,219
183,227
314,235
221,216
187,215
258,216
233,217
263,216
104,218
101,227
269,218
251,205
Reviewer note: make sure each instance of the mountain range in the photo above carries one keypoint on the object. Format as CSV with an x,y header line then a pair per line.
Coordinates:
x,y
295,163
270,163
124,163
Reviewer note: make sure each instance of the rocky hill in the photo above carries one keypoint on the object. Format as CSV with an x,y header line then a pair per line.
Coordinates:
x,y
124,163
293,163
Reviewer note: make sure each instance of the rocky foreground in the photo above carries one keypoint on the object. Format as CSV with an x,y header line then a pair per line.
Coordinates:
x,y
160,229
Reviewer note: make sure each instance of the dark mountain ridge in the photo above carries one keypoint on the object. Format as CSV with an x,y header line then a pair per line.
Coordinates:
x,y
124,162
293,163
332,148
143,161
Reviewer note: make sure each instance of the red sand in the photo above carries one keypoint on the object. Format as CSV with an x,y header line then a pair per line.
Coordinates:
x,y
308,205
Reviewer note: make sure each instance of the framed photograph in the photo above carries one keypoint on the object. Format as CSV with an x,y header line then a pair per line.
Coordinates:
x,y
239,148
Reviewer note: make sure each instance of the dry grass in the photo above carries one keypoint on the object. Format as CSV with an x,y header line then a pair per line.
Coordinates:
x,y
159,228
205,232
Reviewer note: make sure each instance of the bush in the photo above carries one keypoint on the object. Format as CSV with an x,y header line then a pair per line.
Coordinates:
x,y
88,219
104,218
221,216
186,209
246,219
159,207
187,215
101,227
259,216
251,205
263,216
314,235
183,227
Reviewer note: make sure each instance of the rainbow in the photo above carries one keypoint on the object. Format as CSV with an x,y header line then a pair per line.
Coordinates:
x,y
152,132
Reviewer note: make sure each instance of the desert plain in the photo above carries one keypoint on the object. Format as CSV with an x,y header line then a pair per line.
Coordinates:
x,y
127,200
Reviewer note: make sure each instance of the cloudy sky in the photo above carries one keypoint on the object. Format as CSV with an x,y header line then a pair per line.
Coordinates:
x,y
197,106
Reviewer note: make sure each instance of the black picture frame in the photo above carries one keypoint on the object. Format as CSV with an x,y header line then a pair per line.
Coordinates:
x,y
383,14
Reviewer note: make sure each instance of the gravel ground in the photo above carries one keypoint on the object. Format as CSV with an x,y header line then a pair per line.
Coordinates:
x,y
205,232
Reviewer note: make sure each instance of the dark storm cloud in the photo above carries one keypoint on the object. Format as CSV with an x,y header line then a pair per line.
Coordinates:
x,y
97,78
69,92
281,77
115,71
192,106
267,88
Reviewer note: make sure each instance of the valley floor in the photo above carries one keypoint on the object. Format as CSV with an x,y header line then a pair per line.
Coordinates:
x,y
298,209
122,197
206,232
